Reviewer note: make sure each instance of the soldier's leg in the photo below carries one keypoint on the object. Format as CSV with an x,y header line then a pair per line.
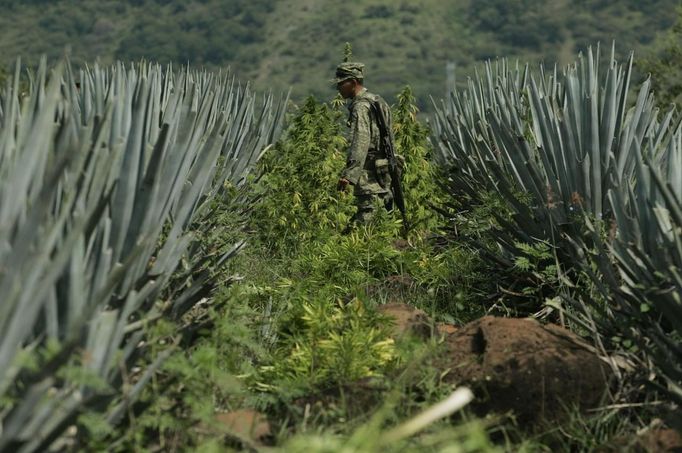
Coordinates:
x,y
362,214
383,177
387,198
367,205
366,208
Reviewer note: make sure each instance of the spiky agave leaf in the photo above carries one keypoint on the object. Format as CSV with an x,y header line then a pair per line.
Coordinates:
x,y
89,179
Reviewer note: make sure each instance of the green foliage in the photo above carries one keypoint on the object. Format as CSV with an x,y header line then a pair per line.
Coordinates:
x,y
336,345
298,208
539,260
374,263
297,186
290,43
421,190
296,189
664,66
320,288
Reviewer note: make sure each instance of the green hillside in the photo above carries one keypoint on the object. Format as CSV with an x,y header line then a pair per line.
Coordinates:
x,y
296,43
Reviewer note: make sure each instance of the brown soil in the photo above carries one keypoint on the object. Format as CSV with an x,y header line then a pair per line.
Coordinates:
x,y
446,329
661,440
407,320
655,440
246,425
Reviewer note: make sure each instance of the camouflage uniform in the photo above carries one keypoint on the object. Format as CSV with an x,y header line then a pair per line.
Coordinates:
x,y
366,165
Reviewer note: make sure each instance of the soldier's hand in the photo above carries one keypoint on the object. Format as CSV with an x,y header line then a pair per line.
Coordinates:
x,y
343,183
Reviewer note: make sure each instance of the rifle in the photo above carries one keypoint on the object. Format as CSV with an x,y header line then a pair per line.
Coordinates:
x,y
386,144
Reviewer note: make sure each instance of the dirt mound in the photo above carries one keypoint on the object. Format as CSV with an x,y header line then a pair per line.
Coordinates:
x,y
246,425
514,365
654,440
446,329
520,365
661,440
407,319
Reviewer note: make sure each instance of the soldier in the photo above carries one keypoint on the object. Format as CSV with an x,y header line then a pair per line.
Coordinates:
x,y
366,166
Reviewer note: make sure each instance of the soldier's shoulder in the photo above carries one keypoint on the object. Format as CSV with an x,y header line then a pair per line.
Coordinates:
x,y
366,99
375,99
361,104
380,100
369,96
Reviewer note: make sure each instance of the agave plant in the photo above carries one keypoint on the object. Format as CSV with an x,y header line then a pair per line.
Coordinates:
x,y
640,270
103,172
572,153
551,144
563,138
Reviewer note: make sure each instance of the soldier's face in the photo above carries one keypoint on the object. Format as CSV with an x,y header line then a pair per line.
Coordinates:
x,y
346,88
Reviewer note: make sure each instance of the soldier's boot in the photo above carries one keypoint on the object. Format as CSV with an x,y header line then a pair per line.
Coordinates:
x,y
388,201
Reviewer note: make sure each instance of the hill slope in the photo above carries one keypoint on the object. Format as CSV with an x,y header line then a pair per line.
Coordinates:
x,y
297,43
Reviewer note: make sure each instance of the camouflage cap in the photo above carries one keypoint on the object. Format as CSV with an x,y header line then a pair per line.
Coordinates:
x,y
348,70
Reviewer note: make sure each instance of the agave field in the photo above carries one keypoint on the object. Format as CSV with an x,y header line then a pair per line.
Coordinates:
x,y
172,260
104,173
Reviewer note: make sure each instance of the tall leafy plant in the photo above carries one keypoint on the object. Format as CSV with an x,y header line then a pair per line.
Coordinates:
x,y
422,192
296,196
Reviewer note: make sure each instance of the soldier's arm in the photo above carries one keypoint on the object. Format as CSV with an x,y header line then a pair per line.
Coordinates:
x,y
359,145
